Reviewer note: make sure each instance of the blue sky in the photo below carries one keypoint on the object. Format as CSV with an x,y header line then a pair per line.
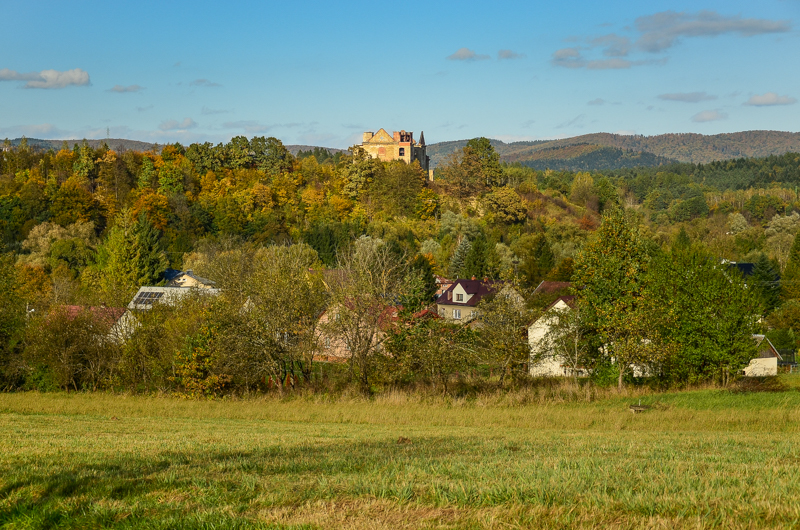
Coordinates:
x,y
320,73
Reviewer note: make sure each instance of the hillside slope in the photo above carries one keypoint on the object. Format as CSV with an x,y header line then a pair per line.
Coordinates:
x,y
685,147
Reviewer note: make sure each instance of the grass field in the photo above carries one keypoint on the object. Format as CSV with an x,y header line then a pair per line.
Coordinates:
x,y
700,459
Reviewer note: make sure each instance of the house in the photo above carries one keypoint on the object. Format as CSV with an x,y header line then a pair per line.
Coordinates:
x,y
334,348
766,363
144,300
546,287
399,146
544,360
176,278
442,284
460,300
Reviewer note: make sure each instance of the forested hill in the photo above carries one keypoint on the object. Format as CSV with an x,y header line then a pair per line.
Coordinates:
x,y
121,144
586,152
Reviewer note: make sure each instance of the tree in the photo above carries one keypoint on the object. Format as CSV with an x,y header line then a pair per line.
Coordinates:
x,y
708,316
503,331
537,258
432,348
267,328
12,321
766,281
478,262
506,206
132,256
479,154
610,272
790,284
362,305
459,257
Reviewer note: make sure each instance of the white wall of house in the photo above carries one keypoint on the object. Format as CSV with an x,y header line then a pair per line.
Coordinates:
x,y
762,367
550,364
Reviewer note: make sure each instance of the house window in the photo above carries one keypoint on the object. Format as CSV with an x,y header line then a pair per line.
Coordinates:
x,y
459,297
402,151
457,314
441,312
472,314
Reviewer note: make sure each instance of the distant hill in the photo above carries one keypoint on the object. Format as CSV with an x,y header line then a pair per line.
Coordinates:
x,y
118,144
294,149
586,152
135,145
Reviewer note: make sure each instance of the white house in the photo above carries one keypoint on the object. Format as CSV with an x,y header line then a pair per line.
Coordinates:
x,y
144,299
545,361
766,363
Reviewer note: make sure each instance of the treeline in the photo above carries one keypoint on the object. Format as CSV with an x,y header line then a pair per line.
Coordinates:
x,y
277,313
87,227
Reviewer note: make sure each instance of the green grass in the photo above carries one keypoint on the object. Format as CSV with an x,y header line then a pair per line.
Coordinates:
x,y
699,459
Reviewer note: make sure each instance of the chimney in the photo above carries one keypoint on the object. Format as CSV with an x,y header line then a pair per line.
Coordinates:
x,y
368,136
396,136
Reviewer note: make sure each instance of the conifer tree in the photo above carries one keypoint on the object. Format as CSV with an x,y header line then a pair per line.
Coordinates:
x,y
476,262
766,281
459,258
790,283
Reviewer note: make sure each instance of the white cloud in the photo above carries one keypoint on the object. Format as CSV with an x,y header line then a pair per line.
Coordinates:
x,y
175,125
508,54
598,101
204,83
769,99
465,54
47,78
122,89
662,30
709,115
687,97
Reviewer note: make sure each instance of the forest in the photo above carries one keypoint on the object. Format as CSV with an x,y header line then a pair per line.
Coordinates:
x,y
287,238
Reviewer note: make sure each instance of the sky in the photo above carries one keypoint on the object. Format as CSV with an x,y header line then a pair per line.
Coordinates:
x,y
322,73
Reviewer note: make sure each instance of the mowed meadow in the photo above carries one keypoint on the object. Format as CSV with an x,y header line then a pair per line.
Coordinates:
x,y
707,458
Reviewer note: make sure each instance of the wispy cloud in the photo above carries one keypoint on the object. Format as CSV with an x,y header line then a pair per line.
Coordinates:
x,y
122,89
613,45
47,78
143,109
573,58
208,112
577,121
248,126
663,30
508,54
175,125
38,130
657,33
465,54
687,97
204,83
597,102
769,99
709,115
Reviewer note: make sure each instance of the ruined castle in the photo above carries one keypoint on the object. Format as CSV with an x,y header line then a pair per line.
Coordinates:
x,y
399,146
